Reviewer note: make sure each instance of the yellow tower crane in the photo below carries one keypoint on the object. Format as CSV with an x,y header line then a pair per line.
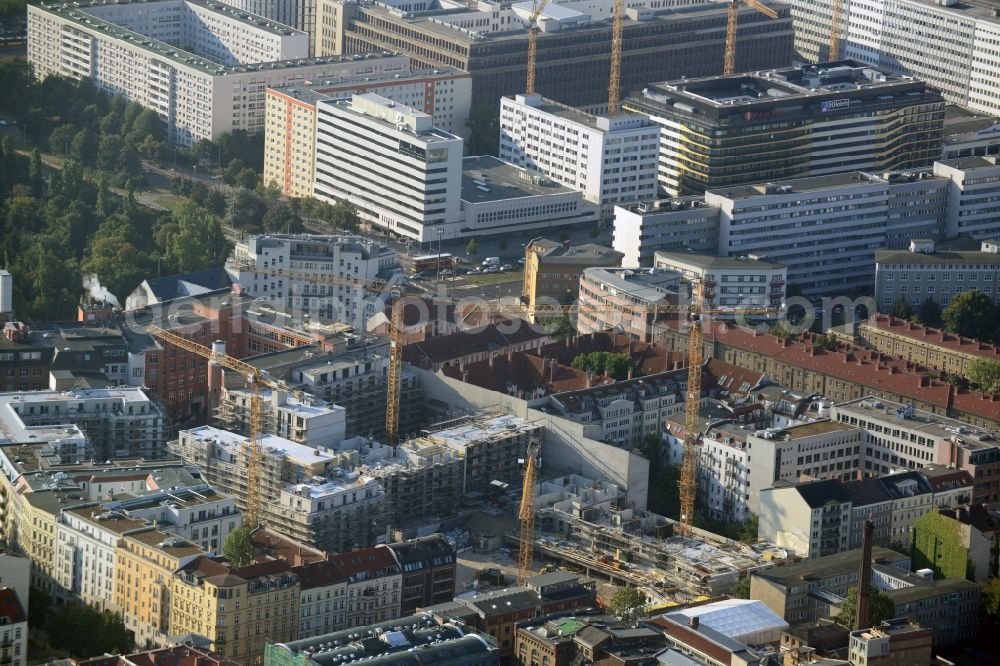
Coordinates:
x,y
836,17
536,10
254,380
526,554
694,311
729,66
614,85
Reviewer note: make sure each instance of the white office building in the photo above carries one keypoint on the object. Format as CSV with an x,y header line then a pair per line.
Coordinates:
x,y
203,67
401,173
951,45
298,14
289,271
611,159
744,281
686,223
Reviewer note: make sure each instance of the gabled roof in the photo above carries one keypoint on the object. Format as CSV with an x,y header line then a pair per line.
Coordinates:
x,y
10,606
189,284
358,565
934,336
491,338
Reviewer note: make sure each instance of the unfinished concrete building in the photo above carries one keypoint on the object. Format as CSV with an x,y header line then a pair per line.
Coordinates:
x,y
587,522
304,495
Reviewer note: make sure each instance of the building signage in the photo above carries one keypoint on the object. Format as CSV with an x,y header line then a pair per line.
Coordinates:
x,y
835,104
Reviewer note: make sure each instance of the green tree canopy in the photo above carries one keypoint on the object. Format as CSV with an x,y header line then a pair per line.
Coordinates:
x,y
627,603
472,247
984,374
484,130
742,589
973,314
613,364
901,308
87,632
989,605
882,608
930,313
238,549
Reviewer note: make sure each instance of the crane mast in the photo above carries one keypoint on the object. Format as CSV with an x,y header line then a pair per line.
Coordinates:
x,y
526,555
395,370
729,62
835,20
614,84
536,11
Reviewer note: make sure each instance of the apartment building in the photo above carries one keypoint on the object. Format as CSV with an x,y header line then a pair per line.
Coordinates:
x,y
681,224
900,640
625,299
812,519
297,14
313,274
194,56
898,436
552,270
930,347
939,273
443,93
86,545
427,566
954,50
198,513
14,634
626,412
323,598
416,169
117,422
297,417
612,159
796,591
145,562
787,123
727,282
239,609
661,41
303,495
374,585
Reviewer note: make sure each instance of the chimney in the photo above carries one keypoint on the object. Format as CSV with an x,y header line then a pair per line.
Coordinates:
x,y
862,618
590,378
630,376
694,622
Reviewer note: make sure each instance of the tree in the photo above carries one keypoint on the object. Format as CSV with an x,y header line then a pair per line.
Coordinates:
x,y
83,148
742,589
930,313
87,632
472,247
198,242
612,364
108,151
989,604
749,530
35,173
238,549
627,603
973,314
281,218
245,210
60,138
984,374
901,308
484,130
562,328
882,608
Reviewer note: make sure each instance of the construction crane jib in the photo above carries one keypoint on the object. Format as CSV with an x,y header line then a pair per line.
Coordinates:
x,y
255,380
526,555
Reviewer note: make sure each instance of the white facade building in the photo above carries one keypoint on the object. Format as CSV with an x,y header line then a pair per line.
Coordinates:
x,y
203,67
952,45
307,421
611,159
85,542
745,281
401,173
287,269
298,14
664,224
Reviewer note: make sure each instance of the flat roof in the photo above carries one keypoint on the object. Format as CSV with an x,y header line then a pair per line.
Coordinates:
x,y
828,566
933,425
799,185
712,261
502,181
170,544
190,59
328,88
270,443
482,429
812,429
644,284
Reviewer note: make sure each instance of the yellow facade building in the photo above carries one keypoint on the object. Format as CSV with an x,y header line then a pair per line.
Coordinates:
x,y
145,564
240,609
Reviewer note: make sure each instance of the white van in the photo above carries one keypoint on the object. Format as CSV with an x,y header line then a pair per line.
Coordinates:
x,y
491,261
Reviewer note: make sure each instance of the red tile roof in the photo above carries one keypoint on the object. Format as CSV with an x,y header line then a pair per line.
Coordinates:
x,y
648,358
524,371
934,336
494,337
872,369
10,606
370,561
